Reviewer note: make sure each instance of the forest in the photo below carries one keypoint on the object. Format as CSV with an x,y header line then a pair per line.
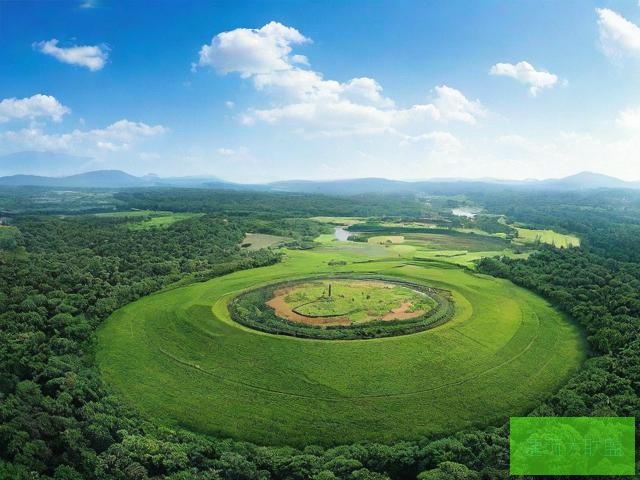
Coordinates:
x,y
66,273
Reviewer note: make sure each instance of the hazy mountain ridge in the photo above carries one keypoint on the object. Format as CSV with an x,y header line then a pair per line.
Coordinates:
x,y
120,179
579,181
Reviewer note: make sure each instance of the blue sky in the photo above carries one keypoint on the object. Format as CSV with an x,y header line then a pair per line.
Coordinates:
x,y
260,91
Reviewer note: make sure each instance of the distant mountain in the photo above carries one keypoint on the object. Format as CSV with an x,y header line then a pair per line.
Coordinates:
x,y
193,181
95,179
120,179
586,181
43,163
580,181
115,179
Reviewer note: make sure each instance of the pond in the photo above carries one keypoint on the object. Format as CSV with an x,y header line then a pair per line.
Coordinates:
x,y
468,212
341,234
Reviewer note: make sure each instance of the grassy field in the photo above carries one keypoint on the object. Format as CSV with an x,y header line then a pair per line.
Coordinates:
x,y
560,240
382,239
256,241
465,258
357,300
345,221
179,358
462,249
459,241
143,219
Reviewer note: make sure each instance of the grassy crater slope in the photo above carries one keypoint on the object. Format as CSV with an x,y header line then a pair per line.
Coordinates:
x,y
180,359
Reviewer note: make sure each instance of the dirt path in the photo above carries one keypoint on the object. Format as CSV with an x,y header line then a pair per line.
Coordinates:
x,y
401,312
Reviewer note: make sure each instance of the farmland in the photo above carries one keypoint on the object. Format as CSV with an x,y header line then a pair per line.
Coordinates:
x,y
178,356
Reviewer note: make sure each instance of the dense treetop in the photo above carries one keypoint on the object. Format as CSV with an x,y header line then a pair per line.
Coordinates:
x,y
61,276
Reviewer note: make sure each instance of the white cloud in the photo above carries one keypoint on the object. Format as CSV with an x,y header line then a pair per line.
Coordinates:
x,y
341,117
618,36
252,51
525,73
300,59
92,57
366,90
32,107
310,104
118,136
629,118
453,105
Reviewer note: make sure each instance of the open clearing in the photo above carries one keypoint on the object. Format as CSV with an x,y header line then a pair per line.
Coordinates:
x,y
256,241
336,301
560,240
144,219
344,221
179,358
386,239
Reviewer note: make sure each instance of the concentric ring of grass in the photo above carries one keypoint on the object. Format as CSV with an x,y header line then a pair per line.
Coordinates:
x,y
252,308
179,358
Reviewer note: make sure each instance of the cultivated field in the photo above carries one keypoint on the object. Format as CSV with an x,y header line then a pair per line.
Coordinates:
x,y
179,357
256,241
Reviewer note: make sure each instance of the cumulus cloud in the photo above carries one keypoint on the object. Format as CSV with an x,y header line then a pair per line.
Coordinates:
x,y
340,117
31,108
365,90
525,73
118,136
92,57
251,51
618,36
313,105
453,105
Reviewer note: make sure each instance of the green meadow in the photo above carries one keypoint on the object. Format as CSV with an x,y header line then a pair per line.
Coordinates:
x,y
179,358
560,240
144,219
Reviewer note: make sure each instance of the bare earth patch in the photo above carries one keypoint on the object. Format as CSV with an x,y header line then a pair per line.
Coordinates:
x,y
283,309
402,312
